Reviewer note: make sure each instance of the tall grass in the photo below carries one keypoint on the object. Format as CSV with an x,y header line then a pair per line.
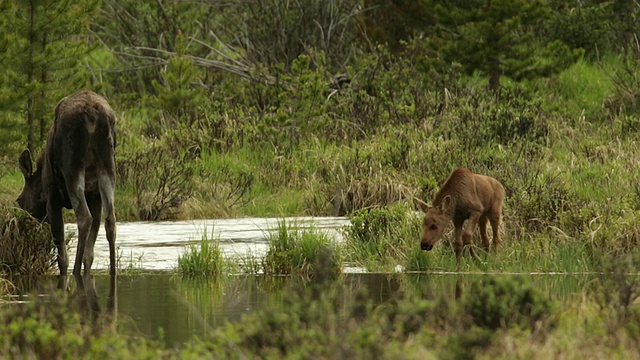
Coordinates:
x,y
204,259
26,245
302,252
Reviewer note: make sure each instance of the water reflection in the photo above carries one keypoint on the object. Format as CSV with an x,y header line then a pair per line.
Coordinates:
x,y
170,308
88,299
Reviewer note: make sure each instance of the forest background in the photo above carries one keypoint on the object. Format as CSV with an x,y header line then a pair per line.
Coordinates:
x,y
279,107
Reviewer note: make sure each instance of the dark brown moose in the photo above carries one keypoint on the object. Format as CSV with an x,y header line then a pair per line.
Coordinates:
x,y
464,196
76,171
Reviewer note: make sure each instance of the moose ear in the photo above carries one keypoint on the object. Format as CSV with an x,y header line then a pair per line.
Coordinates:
x,y
447,205
25,164
421,205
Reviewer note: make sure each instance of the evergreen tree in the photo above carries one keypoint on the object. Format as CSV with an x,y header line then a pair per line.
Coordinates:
x,y
45,44
497,37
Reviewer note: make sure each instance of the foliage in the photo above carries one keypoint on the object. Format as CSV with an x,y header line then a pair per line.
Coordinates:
x,y
381,237
496,38
47,42
505,301
304,252
26,245
205,260
162,182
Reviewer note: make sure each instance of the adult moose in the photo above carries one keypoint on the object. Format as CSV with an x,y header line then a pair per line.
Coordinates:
x,y
76,171
464,196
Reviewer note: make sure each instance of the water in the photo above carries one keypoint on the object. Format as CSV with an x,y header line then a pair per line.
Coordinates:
x,y
157,245
162,305
167,307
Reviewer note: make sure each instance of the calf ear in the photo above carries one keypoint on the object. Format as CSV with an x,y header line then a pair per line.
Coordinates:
x,y
447,205
25,164
421,205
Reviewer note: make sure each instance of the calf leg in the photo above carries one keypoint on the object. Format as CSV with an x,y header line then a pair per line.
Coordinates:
x,y
495,225
483,232
457,240
467,235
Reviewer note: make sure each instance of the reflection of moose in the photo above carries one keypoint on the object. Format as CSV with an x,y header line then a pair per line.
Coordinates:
x,y
463,196
89,302
76,171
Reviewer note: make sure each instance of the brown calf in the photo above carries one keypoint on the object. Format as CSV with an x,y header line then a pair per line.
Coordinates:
x,y
464,196
76,171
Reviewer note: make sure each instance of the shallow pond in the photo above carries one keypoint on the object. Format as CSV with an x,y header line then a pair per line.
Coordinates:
x,y
167,307
157,245
159,304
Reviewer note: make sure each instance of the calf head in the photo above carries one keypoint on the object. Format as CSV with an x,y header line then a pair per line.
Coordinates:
x,y
32,198
436,219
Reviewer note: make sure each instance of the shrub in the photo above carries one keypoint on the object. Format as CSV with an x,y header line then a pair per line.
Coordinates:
x,y
26,245
162,181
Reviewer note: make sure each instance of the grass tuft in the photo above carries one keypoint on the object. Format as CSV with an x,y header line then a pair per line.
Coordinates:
x,y
202,259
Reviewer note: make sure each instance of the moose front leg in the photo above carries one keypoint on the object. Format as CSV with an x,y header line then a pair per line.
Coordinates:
x,y
54,212
457,240
467,235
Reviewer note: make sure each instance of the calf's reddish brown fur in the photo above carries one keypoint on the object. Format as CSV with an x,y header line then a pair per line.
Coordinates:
x,y
76,171
464,196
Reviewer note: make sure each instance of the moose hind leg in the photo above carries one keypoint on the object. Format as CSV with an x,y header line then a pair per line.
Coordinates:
x,y
495,226
106,181
95,207
75,189
483,232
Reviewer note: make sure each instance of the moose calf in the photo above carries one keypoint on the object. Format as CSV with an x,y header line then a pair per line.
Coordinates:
x,y
464,196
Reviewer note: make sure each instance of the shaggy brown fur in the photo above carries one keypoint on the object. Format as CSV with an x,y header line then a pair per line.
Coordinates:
x,y
464,196
76,171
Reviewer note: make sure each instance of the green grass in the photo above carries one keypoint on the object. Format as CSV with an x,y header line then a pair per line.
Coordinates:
x,y
204,259
583,88
303,252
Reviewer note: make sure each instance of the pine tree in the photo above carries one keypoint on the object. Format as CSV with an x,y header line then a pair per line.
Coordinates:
x,y
46,41
498,38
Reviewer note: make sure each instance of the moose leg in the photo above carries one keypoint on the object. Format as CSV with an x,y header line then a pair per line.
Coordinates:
x,y
495,225
467,235
75,188
457,240
57,230
95,207
106,181
483,232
